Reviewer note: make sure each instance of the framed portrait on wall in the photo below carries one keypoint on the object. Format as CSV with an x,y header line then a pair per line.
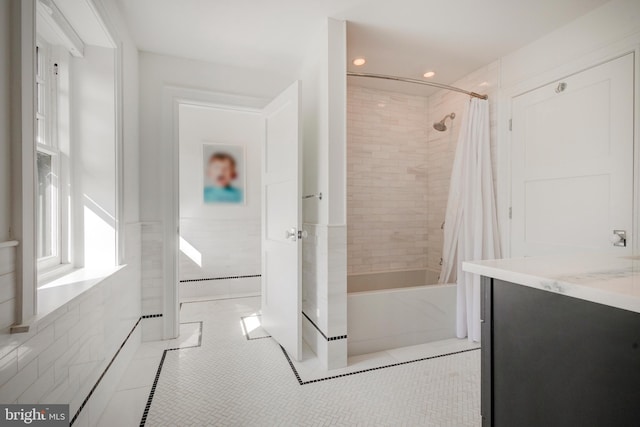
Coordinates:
x,y
223,174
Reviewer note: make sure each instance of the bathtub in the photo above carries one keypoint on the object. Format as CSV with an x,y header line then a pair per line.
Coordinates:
x,y
398,309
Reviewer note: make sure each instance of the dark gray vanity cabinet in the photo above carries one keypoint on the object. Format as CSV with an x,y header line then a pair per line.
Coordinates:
x,y
551,360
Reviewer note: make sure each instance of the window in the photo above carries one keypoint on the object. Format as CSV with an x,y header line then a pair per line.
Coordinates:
x,y
46,208
71,146
49,218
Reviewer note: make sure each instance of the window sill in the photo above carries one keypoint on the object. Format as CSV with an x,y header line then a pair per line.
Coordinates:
x,y
9,244
49,275
60,291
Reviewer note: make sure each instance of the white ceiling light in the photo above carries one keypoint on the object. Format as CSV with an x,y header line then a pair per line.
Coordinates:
x,y
359,62
429,74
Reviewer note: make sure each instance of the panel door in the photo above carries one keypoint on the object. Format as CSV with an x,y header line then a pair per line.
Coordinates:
x,y
281,222
572,163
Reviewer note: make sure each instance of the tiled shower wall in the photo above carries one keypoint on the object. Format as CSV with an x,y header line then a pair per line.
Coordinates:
x,y
399,169
387,198
441,148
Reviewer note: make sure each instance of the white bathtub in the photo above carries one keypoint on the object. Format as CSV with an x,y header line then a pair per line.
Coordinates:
x,y
400,315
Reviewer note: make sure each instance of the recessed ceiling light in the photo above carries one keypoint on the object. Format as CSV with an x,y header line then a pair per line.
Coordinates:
x,y
359,61
429,74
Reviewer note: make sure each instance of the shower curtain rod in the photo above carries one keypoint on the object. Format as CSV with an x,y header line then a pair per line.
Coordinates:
x,y
419,82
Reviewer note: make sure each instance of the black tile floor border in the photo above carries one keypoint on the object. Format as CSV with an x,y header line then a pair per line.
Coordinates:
x,y
218,299
150,316
246,333
339,337
347,374
291,365
220,278
147,407
302,382
86,399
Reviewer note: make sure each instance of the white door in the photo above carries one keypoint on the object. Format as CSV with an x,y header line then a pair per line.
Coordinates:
x,y
281,222
572,163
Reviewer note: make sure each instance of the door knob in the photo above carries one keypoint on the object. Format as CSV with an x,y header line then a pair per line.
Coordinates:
x,y
291,234
619,238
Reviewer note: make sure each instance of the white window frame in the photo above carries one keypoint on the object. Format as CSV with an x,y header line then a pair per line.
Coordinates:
x,y
46,143
47,75
24,150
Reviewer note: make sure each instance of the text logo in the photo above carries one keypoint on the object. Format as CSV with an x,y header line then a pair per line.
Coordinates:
x,y
34,415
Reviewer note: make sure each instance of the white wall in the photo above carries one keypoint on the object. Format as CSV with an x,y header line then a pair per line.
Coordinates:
x,y
337,120
130,125
223,239
324,268
5,117
314,127
93,153
324,92
7,254
575,41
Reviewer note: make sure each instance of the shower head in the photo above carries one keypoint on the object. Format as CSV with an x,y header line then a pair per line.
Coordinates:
x,y
440,126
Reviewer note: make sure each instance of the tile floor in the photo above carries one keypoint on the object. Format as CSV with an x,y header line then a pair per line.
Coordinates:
x,y
233,381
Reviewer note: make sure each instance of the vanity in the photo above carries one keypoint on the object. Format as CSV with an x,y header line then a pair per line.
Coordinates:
x,y
560,341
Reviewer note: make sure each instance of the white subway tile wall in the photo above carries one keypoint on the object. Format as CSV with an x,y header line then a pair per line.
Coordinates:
x,y
63,355
206,258
221,248
324,287
441,147
387,201
152,273
7,286
337,282
315,274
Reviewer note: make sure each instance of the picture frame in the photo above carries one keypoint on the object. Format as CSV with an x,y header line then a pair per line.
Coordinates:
x,y
224,174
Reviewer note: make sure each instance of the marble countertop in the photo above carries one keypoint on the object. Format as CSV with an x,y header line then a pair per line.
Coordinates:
x,y
612,280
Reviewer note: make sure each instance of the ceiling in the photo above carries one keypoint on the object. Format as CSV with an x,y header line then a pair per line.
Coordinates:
x,y
401,37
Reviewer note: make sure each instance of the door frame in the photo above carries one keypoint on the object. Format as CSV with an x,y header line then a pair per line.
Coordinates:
x,y
172,98
504,135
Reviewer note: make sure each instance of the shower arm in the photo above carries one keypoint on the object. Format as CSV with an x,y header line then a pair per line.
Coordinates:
x,y
448,116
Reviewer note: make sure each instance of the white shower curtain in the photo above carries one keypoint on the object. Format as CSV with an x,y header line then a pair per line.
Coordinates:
x,y
471,227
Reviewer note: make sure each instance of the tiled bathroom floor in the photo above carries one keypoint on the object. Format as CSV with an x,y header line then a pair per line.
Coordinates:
x,y
232,381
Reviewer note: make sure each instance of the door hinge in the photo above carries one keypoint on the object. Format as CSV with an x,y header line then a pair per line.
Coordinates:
x,y
510,213
510,124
